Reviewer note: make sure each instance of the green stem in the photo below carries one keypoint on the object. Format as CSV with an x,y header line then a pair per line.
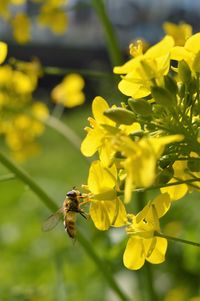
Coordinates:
x,y
111,38
49,202
24,177
145,275
184,241
64,71
168,184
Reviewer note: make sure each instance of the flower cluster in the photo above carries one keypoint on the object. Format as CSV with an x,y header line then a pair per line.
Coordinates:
x,y
50,14
147,143
20,123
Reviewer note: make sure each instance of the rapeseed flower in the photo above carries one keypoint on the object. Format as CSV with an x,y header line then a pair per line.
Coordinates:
x,y
180,32
142,70
190,52
102,131
106,209
143,243
21,26
140,159
69,91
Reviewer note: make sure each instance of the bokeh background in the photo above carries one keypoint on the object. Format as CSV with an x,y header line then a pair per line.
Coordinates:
x,y
38,266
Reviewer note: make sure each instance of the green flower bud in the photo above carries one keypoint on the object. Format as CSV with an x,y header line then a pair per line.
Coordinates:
x,y
184,72
163,97
165,175
120,115
140,106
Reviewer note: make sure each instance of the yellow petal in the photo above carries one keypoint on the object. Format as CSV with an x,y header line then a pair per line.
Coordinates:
x,y
193,43
161,48
130,88
100,179
134,255
162,204
158,253
3,51
99,215
119,217
179,53
99,106
92,142
175,192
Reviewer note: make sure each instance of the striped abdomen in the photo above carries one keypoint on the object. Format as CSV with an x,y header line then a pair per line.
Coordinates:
x,y
69,223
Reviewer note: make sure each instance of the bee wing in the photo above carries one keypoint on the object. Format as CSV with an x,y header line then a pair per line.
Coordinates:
x,y
52,221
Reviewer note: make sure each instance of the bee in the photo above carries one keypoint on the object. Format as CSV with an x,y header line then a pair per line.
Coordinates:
x,y
68,211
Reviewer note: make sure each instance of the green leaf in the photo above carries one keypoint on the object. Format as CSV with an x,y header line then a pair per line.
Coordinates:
x,y
120,115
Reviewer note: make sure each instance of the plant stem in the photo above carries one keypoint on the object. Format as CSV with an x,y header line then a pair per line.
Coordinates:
x,y
111,38
27,179
49,202
184,241
168,184
145,275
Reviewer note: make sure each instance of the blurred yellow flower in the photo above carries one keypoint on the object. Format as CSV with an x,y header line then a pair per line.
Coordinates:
x,y
143,243
21,26
106,208
189,52
180,32
69,91
54,18
3,51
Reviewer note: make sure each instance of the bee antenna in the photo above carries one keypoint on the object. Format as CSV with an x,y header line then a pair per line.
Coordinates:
x,y
74,187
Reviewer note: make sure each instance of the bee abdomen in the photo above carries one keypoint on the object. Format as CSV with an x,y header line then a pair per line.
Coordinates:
x,y
70,228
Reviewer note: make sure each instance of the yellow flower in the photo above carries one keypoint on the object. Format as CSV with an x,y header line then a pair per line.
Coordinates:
x,y
140,71
189,53
96,139
21,28
141,159
99,138
180,32
69,91
3,51
54,18
106,208
143,243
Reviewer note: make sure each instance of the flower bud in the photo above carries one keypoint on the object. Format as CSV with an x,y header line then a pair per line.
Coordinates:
x,y
140,106
120,115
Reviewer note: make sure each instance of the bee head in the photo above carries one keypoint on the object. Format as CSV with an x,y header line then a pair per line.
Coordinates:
x,y
73,193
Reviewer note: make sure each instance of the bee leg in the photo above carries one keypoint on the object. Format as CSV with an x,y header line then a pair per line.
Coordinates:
x,y
84,214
